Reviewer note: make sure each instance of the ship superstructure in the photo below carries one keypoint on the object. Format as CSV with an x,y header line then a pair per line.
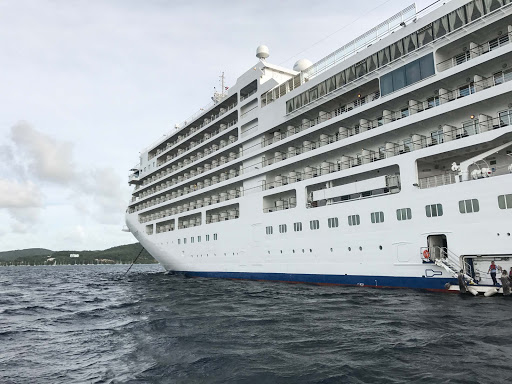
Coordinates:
x,y
387,163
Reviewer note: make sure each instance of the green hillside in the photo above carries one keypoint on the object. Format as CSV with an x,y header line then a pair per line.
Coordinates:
x,y
13,255
36,256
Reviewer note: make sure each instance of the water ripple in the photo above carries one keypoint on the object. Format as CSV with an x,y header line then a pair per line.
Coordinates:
x,y
89,325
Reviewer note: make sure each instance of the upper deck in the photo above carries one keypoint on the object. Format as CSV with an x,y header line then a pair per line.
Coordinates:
x,y
435,89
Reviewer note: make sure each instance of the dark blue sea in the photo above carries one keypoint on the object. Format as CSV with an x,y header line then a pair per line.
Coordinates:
x,y
85,324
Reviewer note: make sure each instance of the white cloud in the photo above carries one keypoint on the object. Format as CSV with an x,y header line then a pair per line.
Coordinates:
x,y
47,158
23,203
19,195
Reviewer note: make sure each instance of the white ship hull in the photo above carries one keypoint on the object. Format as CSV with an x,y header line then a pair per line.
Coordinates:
x,y
404,202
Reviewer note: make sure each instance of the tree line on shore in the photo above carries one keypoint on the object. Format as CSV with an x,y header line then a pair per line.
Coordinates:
x,y
123,254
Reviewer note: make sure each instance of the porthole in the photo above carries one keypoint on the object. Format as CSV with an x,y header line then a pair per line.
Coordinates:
x,y
349,249
281,251
293,251
303,251
380,247
508,233
360,248
310,250
268,252
331,249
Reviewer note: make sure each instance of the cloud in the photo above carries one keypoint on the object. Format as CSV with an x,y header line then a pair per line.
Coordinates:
x,y
23,202
14,195
100,189
97,193
47,158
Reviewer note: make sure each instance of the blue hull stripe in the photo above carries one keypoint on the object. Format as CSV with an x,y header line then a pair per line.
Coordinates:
x,y
370,281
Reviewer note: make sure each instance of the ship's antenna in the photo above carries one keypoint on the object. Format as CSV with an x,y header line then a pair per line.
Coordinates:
x,y
222,82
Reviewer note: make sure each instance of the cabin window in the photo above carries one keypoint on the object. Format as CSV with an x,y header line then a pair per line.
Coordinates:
x,y
491,5
410,43
282,228
332,222
269,230
192,239
185,241
207,237
377,217
425,35
457,18
505,201
198,239
441,27
297,227
314,225
474,10
214,236
433,102
434,210
505,117
403,214
179,241
408,74
384,56
354,220
469,206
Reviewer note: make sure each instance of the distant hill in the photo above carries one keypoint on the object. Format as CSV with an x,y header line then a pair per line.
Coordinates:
x,y
13,255
124,254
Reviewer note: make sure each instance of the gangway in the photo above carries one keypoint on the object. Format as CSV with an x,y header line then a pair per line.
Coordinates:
x,y
453,264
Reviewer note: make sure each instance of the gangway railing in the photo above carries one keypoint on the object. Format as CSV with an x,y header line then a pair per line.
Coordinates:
x,y
448,260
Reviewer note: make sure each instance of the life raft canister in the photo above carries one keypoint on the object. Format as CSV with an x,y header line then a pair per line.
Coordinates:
x,y
426,254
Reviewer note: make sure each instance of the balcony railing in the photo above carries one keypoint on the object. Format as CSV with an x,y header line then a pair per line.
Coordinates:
x,y
436,181
192,131
196,143
391,116
242,98
387,150
474,52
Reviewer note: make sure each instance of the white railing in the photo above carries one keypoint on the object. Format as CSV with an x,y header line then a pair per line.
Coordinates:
x,y
436,181
383,29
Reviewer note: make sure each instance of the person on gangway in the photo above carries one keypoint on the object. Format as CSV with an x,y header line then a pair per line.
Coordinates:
x,y
492,270
463,288
505,282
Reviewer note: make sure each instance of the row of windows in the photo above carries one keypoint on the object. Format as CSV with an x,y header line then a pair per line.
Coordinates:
x,y
433,31
408,74
193,239
431,210
311,250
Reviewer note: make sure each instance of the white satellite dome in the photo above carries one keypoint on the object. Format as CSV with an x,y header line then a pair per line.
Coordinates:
x,y
262,52
302,64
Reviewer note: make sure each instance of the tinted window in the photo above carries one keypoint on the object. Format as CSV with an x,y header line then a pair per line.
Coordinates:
x,y
399,78
412,72
386,84
427,66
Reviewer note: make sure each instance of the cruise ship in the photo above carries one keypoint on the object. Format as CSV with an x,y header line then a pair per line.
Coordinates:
x,y
388,163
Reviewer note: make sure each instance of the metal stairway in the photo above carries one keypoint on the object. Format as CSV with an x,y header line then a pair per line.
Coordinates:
x,y
450,262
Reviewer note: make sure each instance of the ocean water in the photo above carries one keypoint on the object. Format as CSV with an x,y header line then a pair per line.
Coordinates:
x,y
85,324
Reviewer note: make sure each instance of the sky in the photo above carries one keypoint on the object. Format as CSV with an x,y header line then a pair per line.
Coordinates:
x,y
87,84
